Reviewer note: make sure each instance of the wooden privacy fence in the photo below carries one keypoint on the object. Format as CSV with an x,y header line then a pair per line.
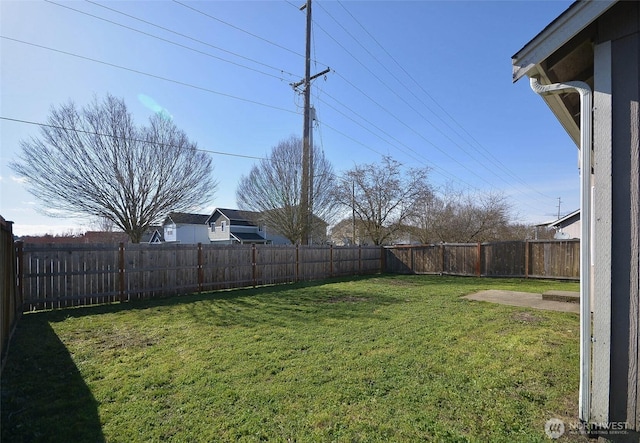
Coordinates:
x,y
10,303
558,259
56,276
59,275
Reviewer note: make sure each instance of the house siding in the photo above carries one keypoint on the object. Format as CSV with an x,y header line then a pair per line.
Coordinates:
x,y
191,234
219,235
621,26
170,233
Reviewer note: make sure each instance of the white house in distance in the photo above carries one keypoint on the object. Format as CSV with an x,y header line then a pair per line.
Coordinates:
x,y
567,227
180,227
229,226
224,227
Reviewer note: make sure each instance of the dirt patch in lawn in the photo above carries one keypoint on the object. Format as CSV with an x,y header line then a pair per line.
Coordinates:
x,y
347,299
525,317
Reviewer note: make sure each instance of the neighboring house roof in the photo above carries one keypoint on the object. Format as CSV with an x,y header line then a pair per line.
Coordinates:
x,y
562,221
89,237
247,237
236,217
183,218
563,51
155,234
105,237
566,220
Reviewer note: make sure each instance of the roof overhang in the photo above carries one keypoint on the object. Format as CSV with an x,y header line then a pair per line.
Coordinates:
x,y
563,52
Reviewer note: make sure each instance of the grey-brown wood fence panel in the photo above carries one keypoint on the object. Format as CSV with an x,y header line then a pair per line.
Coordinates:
x,y
504,259
11,301
226,267
160,270
275,264
57,276
460,259
559,259
536,259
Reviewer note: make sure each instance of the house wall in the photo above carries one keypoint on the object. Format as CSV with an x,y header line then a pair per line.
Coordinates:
x,y
170,233
617,196
277,239
219,235
191,234
572,229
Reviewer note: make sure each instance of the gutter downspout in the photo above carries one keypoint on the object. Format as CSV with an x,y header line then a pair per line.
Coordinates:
x,y
584,406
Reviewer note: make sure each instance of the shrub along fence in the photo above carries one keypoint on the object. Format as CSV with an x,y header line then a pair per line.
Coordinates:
x,y
61,275
559,259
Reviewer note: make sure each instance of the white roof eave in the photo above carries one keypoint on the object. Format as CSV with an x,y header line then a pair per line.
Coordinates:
x,y
577,17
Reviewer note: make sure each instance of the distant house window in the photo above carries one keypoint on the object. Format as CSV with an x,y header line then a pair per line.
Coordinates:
x,y
213,227
222,224
169,231
259,228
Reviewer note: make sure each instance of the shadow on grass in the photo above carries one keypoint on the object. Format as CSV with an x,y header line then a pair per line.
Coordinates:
x,y
280,296
44,397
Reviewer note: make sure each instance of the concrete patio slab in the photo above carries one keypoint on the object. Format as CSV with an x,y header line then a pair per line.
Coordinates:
x,y
524,299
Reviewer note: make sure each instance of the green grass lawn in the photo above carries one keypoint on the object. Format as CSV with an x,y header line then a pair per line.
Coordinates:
x,y
385,358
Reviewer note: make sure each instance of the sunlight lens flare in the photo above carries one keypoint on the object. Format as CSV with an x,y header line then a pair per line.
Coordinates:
x,y
151,104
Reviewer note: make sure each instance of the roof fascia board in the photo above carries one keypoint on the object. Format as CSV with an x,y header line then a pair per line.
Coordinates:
x,y
565,218
558,108
561,30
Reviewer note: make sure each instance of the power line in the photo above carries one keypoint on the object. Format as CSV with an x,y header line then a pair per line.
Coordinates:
x,y
172,42
193,39
81,131
238,28
498,164
493,159
270,42
434,167
410,106
395,117
189,85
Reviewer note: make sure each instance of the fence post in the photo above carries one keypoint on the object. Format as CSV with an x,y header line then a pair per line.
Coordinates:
x,y
442,258
20,274
478,260
412,259
526,259
359,259
383,260
254,275
121,274
200,268
297,262
330,260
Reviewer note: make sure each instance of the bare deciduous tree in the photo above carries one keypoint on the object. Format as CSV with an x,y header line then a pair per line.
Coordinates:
x,y
95,162
382,196
272,188
459,217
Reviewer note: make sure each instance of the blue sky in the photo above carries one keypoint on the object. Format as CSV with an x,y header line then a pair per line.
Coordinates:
x,y
426,82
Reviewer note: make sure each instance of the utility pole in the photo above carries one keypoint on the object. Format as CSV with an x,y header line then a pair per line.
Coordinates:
x,y
306,182
304,192
353,210
312,117
559,201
